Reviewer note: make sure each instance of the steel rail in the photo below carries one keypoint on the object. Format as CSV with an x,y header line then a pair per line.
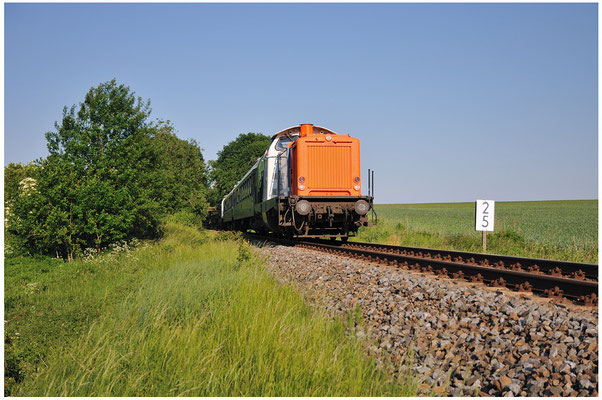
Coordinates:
x,y
579,290
567,269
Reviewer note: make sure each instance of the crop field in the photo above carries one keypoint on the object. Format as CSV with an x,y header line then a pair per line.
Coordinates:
x,y
193,314
566,230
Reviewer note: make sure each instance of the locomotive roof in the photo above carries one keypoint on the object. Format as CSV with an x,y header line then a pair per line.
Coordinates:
x,y
294,130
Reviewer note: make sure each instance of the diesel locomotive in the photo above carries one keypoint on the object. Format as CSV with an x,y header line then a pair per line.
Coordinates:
x,y
306,184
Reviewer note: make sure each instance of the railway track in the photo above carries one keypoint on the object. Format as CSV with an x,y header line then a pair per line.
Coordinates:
x,y
561,279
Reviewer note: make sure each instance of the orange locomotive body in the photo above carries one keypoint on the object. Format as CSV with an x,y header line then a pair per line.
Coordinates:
x,y
325,164
307,184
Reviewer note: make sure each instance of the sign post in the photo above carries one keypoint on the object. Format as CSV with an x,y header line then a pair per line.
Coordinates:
x,y
484,218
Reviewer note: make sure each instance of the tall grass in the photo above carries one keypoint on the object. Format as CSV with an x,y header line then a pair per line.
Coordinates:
x,y
208,320
563,230
49,303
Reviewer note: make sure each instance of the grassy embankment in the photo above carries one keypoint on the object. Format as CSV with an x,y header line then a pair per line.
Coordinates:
x,y
189,315
563,230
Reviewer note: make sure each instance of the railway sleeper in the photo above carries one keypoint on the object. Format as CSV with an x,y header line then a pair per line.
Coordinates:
x,y
551,284
589,300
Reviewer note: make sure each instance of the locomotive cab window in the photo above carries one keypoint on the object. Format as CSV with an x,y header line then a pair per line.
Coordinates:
x,y
282,143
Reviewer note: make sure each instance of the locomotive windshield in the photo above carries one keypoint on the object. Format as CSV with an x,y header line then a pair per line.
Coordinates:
x,y
281,175
282,143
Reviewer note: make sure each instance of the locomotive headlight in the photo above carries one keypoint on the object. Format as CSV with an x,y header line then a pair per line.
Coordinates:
x,y
303,207
357,187
356,179
361,207
301,179
301,187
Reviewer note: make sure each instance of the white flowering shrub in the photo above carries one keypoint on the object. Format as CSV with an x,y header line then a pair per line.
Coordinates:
x,y
114,250
27,184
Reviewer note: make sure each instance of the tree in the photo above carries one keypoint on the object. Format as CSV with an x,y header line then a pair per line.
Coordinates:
x,y
90,189
233,162
110,176
181,175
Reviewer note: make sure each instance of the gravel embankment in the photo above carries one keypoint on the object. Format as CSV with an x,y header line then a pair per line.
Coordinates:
x,y
466,339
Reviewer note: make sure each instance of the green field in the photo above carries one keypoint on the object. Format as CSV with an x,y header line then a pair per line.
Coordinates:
x,y
193,314
566,230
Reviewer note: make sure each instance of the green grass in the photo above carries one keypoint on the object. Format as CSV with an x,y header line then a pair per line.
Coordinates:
x,y
48,302
566,230
190,315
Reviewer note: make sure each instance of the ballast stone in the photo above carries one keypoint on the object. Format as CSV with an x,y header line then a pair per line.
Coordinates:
x,y
476,334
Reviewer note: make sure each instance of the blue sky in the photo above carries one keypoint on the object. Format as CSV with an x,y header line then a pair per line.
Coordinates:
x,y
450,102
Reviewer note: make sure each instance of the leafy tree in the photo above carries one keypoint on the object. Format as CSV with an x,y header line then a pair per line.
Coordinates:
x,y
180,177
106,142
233,162
110,176
88,193
90,190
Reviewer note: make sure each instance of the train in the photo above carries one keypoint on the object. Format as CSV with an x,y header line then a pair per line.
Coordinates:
x,y
306,184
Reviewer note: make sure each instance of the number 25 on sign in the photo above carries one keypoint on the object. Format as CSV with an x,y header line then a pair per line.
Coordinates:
x,y
484,218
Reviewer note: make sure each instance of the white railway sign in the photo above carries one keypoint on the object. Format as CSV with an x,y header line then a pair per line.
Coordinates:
x,y
484,220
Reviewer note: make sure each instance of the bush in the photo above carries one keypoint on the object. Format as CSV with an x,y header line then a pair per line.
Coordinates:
x,y
185,217
223,236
